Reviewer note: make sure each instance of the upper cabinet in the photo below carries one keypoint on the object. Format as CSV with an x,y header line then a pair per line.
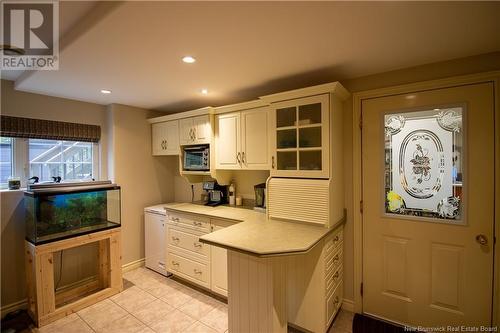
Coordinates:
x,y
195,130
241,140
165,138
300,137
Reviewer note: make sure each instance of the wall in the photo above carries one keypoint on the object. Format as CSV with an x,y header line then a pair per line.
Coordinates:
x,y
456,67
78,263
145,180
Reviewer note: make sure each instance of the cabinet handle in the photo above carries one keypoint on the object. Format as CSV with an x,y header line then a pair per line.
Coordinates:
x,y
197,245
336,302
166,144
162,144
243,157
336,258
197,271
336,239
175,263
336,275
238,158
194,133
198,224
272,162
175,219
175,239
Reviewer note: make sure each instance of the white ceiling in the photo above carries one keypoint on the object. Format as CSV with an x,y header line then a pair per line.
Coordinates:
x,y
246,49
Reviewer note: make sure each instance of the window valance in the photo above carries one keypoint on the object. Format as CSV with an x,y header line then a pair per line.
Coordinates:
x,y
18,127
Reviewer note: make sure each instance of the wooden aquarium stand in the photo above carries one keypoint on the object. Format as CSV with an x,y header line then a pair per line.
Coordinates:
x,y
45,305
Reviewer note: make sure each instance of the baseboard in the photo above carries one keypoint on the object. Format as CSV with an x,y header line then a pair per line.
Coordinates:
x,y
348,305
23,304
133,265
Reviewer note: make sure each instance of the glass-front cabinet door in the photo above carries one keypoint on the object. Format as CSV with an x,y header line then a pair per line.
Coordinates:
x,y
301,138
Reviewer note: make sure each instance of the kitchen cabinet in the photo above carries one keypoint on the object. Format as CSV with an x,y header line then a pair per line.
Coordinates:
x,y
219,261
165,138
242,140
155,247
195,130
192,260
300,137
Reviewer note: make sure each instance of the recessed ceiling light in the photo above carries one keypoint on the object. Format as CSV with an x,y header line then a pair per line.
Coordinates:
x,y
188,59
204,91
105,91
437,109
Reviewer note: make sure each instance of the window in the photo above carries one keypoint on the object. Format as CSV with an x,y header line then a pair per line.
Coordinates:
x,y
25,158
70,160
6,160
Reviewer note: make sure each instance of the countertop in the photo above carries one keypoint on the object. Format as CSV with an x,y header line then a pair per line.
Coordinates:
x,y
254,233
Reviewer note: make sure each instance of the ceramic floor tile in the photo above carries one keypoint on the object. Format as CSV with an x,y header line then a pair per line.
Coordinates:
x,y
128,324
343,321
153,312
199,306
198,327
173,322
133,298
101,314
216,319
70,324
146,330
177,297
159,289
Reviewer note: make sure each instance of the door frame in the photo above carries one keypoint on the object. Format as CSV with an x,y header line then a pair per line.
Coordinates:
x,y
492,76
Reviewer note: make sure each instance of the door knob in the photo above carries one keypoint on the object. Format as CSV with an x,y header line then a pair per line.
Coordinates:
x,y
482,239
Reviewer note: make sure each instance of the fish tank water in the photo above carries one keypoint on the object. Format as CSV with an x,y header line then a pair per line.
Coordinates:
x,y
65,210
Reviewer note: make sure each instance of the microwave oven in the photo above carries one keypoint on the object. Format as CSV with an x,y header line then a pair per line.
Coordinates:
x,y
196,158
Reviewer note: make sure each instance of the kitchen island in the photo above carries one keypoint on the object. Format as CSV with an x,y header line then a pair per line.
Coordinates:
x,y
276,269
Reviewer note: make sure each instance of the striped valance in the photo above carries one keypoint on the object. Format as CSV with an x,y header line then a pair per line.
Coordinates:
x,y
18,127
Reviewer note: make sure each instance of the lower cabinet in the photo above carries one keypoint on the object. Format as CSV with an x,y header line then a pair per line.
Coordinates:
x,y
154,231
316,278
192,260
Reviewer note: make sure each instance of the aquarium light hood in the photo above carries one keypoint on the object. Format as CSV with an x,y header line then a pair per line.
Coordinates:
x,y
34,189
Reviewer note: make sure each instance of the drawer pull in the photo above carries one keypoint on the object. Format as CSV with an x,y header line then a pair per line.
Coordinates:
x,y
175,263
336,258
198,224
197,271
175,239
336,301
197,245
336,275
336,239
175,219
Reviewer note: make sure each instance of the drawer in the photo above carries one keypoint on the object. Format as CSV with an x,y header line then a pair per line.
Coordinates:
x,y
195,222
187,240
333,280
334,241
189,269
333,304
333,261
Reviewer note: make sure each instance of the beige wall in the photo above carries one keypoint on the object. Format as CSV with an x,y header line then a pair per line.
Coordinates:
x,y
450,68
145,180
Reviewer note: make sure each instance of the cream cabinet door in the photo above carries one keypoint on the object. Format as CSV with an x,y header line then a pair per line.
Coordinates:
x,y
172,146
228,153
254,139
202,129
158,138
300,137
219,263
186,131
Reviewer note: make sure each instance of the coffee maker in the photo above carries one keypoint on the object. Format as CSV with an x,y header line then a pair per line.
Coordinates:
x,y
217,194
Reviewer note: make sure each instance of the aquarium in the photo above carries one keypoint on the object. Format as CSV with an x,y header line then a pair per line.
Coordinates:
x,y
59,211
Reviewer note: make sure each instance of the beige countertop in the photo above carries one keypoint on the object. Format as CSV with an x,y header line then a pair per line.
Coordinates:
x,y
256,234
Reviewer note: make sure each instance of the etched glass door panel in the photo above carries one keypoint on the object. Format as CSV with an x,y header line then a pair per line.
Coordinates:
x,y
423,164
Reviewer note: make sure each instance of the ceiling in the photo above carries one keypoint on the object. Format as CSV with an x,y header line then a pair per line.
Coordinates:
x,y
246,49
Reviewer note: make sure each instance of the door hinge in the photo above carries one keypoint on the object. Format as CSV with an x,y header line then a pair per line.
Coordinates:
x,y
361,206
361,289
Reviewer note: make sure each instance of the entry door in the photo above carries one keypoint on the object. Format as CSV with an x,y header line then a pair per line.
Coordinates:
x,y
428,199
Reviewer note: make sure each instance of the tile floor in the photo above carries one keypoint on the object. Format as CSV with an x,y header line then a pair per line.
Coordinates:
x,y
151,302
